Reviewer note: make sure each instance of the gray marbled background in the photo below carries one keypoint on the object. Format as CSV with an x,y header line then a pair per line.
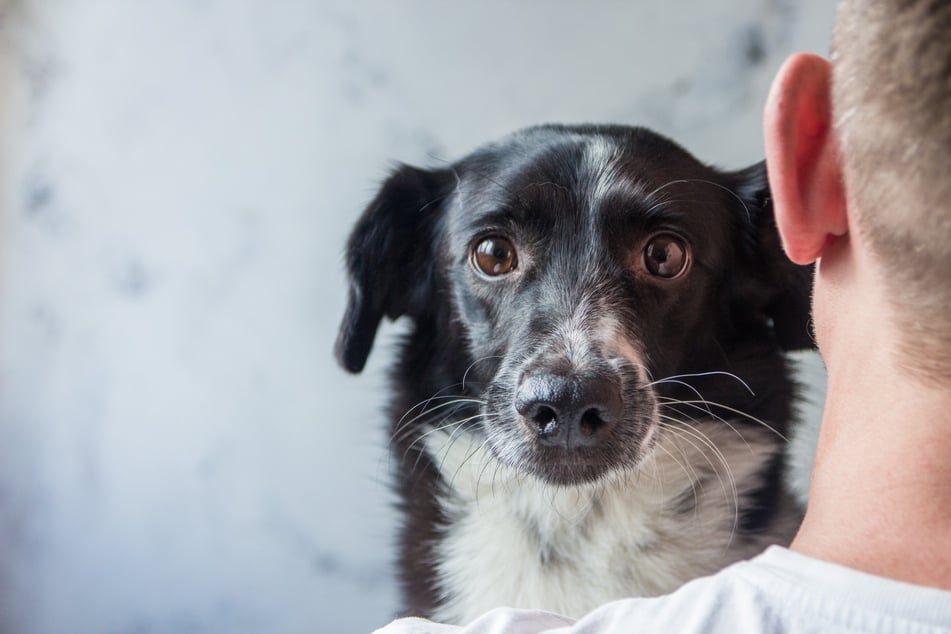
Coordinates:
x,y
178,451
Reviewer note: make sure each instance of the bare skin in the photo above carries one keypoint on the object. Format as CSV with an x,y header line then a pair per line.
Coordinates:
x,y
880,499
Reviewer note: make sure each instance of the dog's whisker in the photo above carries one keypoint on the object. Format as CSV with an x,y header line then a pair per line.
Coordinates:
x,y
657,478
468,457
465,374
426,401
667,401
426,412
681,181
674,403
405,432
674,430
698,433
486,463
687,417
736,411
421,450
461,424
506,482
672,201
438,394
447,400
692,479
676,425
451,442
678,181
704,374
730,497
685,384
694,432
686,433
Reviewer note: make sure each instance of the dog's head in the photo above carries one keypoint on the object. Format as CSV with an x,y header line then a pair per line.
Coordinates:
x,y
582,278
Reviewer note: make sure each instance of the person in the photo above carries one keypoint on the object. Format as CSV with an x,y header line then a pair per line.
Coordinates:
x,y
858,152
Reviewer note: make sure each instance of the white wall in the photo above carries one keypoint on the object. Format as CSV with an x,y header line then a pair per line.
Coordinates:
x,y
178,451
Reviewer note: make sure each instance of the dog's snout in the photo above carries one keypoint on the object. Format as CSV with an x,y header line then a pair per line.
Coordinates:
x,y
568,411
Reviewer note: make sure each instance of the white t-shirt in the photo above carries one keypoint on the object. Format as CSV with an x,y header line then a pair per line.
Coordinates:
x,y
778,592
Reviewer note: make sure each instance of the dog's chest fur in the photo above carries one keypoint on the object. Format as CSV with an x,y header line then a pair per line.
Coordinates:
x,y
513,540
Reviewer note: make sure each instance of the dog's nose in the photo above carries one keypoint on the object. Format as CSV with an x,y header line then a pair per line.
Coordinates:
x,y
568,411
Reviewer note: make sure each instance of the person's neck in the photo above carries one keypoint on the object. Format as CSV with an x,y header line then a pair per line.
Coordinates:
x,y
880,499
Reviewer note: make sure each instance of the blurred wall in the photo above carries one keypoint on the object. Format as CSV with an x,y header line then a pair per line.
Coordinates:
x,y
178,451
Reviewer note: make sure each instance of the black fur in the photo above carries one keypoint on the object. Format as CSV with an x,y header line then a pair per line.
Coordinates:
x,y
739,306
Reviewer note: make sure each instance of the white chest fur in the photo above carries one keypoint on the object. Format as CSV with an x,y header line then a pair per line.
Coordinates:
x,y
516,541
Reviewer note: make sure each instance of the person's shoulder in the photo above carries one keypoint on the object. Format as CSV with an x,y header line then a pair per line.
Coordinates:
x,y
780,591
845,598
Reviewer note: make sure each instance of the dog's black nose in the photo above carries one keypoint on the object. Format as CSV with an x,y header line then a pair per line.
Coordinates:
x,y
568,411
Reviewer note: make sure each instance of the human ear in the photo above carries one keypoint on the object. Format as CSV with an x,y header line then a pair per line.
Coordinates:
x,y
802,158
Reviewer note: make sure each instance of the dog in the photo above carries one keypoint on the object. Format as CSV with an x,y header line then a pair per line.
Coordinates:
x,y
592,398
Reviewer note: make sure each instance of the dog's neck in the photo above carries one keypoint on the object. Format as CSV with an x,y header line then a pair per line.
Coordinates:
x,y
513,539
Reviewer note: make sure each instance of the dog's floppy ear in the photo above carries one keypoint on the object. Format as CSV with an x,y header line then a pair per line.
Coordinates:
x,y
785,293
388,257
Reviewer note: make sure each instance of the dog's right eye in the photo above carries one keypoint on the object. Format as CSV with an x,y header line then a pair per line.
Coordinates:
x,y
493,256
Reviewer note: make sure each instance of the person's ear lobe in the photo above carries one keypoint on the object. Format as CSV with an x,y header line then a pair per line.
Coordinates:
x,y
802,158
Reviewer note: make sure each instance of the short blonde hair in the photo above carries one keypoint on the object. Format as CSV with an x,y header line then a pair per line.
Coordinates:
x,y
892,103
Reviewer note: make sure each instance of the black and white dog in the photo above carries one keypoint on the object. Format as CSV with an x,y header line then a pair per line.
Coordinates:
x,y
592,399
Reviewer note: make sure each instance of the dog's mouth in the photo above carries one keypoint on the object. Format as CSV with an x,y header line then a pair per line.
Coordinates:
x,y
579,466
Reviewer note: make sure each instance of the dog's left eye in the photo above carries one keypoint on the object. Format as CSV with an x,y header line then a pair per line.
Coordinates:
x,y
494,256
666,256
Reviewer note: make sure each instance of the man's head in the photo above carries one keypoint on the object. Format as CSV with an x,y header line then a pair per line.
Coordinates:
x,y
892,103
864,146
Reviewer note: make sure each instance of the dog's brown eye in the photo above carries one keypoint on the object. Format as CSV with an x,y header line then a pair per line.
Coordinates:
x,y
666,256
494,256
